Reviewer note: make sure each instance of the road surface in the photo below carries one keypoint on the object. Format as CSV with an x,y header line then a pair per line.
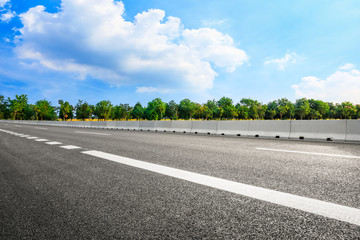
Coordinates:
x,y
74,183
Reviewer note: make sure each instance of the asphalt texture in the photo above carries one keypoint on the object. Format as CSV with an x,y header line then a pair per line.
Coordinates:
x,y
48,192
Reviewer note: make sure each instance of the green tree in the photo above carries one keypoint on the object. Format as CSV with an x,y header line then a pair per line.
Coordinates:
x,y
103,109
187,109
18,105
302,108
346,110
65,110
155,109
172,110
138,111
210,109
44,110
271,110
284,107
83,110
5,112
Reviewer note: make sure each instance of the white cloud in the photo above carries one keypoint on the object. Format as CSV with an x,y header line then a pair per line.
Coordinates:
x,y
91,38
283,62
338,87
4,2
213,23
152,90
7,16
347,66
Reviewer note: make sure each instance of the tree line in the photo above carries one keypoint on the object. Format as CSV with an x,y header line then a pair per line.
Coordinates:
x,y
224,108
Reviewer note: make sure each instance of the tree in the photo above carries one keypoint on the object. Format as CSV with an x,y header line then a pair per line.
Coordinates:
x,y
302,108
103,109
283,108
318,109
44,110
210,109
186,109
228,110
172,110
83,110
155,109
18,105
4,108
65,110
138,111
346,110
271,110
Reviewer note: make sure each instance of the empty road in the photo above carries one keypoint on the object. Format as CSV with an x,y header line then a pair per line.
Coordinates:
x,y
75,183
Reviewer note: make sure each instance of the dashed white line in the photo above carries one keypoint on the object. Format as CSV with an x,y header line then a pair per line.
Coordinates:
x,y
326,209
310,153
32,137
41,140
25,136
40,128
70,147
53,143
106,134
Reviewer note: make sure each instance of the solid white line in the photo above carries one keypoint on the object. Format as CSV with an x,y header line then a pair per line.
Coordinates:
x,y
53,143
40,128
25,136
70,147
311,153
93,133
326,209
41,140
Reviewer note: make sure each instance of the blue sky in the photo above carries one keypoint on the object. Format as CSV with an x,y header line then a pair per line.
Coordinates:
x,y
133,51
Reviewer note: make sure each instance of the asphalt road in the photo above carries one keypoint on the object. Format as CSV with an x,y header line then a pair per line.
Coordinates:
x,y
51,192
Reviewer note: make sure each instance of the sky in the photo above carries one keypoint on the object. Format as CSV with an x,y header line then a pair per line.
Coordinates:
x,y
136,50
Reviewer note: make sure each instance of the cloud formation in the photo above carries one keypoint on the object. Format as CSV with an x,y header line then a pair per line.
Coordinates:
x,y
4,2
283,62
338,87
92,39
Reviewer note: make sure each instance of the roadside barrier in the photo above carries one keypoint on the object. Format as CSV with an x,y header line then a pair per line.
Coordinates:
x,y
269,128
205,127
329,130
146,125
325,130
233,128
352,130
181,126
162,126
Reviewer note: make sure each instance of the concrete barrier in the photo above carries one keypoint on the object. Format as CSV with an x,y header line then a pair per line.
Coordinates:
x,y
205,127
352,130
318,129
111,125
162,126
269,128
128,125
146,125
233,128
181,126
98,124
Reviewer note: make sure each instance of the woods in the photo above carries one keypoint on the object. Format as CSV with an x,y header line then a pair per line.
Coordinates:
x,y
18,108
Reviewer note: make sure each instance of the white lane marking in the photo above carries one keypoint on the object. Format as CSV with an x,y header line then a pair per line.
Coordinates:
x,y
326,209
41,140
23,136
40,128
70,147
53,143
310,153
93,133
32,137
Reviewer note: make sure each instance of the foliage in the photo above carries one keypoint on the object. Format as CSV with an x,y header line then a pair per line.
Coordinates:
x,y
224,108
